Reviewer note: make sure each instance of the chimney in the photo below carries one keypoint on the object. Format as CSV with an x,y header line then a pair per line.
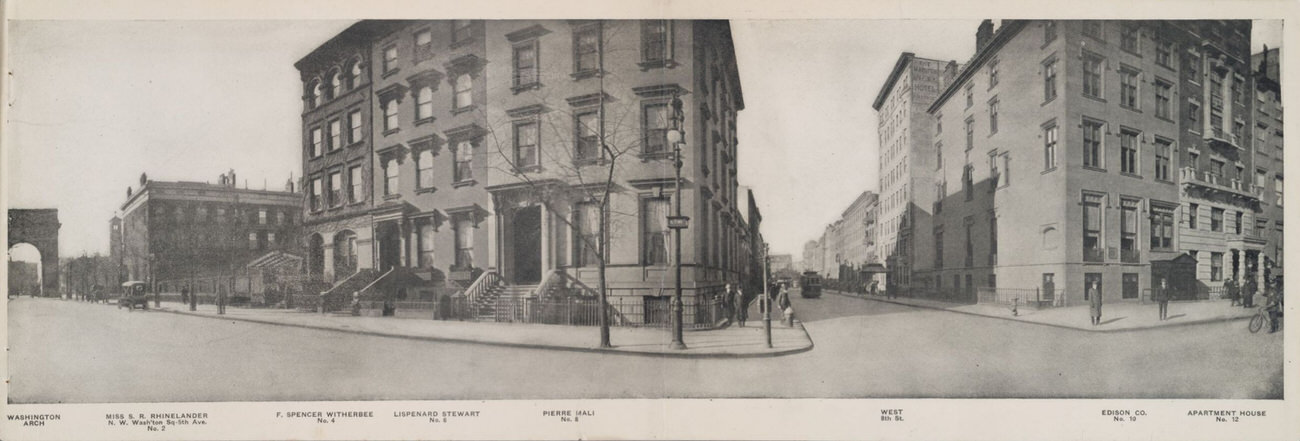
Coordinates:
x,y
983,35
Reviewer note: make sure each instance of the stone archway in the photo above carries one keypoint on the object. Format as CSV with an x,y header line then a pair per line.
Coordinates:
x,y
40,228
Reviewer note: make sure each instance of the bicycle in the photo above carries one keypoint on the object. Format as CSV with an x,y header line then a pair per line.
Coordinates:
x,y
1260,319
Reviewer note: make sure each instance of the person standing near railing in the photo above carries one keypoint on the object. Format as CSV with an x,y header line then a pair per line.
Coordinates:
x,y
1161,296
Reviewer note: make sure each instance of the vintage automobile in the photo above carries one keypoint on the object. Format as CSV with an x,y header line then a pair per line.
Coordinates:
x,y
134,294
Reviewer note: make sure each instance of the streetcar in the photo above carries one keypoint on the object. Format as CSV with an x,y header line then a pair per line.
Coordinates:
x,y
810,285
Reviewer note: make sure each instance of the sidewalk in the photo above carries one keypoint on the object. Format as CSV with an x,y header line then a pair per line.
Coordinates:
x,y
730,342
1115,316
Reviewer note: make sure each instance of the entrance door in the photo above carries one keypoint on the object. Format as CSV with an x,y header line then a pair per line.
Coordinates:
x,y
390,247
527,230
1130,286
1049,287
1088,278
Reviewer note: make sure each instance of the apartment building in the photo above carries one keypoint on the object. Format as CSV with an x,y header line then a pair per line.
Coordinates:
x,y
475,147
1113,168
907,162
1268,148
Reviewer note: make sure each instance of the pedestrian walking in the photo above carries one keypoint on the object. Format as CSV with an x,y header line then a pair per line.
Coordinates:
x,y
1094,303
1248,293
1162,297
1234,294
221,300
742,308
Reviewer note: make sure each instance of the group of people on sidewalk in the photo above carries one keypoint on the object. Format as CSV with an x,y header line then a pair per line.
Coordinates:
x,y
735,304
1243,296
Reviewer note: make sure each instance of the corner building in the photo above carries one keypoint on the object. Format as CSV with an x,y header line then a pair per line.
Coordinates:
x,y
451,149
1079,144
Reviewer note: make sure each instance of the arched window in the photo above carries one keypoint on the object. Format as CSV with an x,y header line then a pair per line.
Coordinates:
x,y
336,85
354,74
464,92
424,103
315,94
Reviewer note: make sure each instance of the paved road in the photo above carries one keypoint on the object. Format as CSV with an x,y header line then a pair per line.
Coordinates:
x,y
64,351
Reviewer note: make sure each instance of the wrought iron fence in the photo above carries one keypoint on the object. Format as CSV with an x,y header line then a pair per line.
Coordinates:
x,y
625,311
1025,297
1199,293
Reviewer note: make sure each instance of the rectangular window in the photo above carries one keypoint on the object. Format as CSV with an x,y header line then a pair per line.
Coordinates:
x,y
654,226
315,194
390,59
252,240
317,141
354,123
1128,89
1128,226
968,182
970,95
1092,144
1277,188
525,61
586,222
586,48
1092,28
1092,69
425,233
461,30
1092,227
1162,228
1216,266
1163,101
586,130
355,190
1006,169
424,169
1163,149
1049,80
1216,219
993,240
938,249
464,159
1194,66
1240,219
1192,210
1164,51
655,41
993,73
970,134
390,116
335,194
1049,31
464,242
1216,169
1128,39
391,174
1049,147
655,124
423,44
526,144
336,134
993,116
1128,152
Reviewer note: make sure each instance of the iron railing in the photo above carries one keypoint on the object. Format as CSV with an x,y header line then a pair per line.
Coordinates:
x,y
1022,297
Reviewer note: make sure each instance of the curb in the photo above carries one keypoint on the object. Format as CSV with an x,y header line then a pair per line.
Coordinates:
x,y
614,350
1072,328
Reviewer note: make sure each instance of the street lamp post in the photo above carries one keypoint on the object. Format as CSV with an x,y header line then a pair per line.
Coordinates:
x,y
767,298
677,222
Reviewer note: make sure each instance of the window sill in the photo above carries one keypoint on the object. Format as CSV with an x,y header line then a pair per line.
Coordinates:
x,y
592,161
1048,101
354,144
391,131
1094,98
464,183
1165,119
528,169
390,72
464,109
394,196
590,73
1096,169
426,190
666,63
353,204
1164,181
525,87
421,121
1052,169
1131,175
1131,109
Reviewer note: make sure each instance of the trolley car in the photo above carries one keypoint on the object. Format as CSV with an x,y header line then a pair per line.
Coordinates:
x,y
810,285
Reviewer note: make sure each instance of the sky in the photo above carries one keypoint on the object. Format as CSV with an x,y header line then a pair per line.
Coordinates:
x,y
96,103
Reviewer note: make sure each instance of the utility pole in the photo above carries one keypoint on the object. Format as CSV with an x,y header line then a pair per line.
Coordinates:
x,y
767,298
676,136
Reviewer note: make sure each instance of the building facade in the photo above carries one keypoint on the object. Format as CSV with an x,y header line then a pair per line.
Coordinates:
x,y
492,146
1268,148
908,158
175,234
1113,169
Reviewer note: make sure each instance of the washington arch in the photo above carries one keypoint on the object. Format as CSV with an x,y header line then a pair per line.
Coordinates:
x,y
40,228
